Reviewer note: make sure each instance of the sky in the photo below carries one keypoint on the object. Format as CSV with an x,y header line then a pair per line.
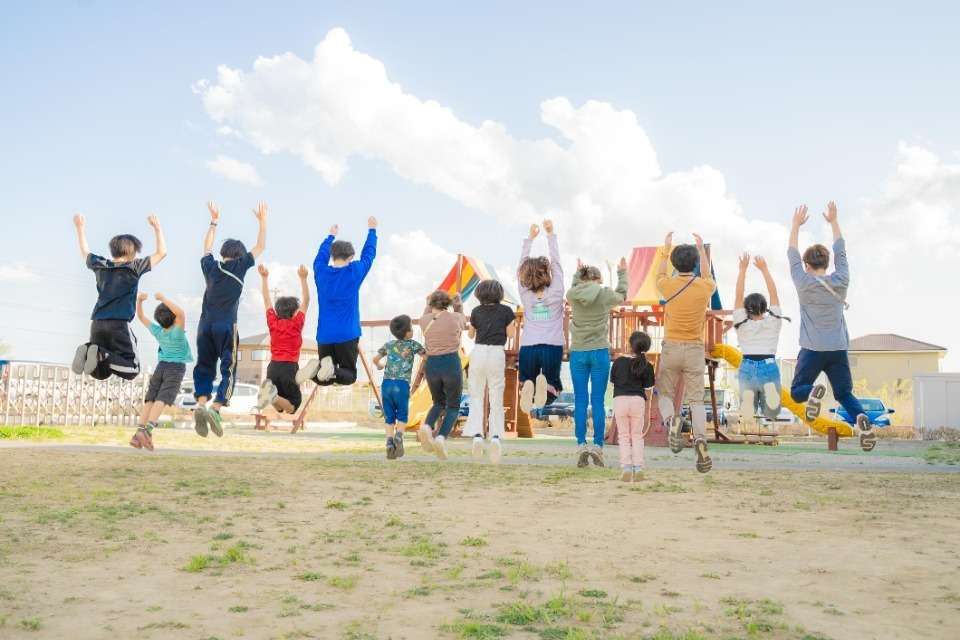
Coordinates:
x,y
458,126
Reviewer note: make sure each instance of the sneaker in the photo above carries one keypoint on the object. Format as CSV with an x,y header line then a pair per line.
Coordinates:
x,y
326,371
868,436
268,393
398,443
200,421
426,438
540,391
80,359
638,475
440,447
495,450
583,456
93,359
704,463
526,396
477,447
215,422
391,449
307,371
135,441
596,454
626,475
812,411
675,435
147,440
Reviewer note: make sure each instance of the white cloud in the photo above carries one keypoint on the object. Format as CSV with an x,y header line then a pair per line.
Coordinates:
x,y
16,272
233,169
598,177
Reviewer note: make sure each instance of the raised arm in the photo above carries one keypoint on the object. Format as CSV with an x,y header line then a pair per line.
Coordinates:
x,y
841,268
369,250
706,272
81,224
302,273
323,254
180,318
141,315
211,233
261,213
161,243
761,264
800,218
265,286
553,246
741,281
616,296
831,217
527,244
667,248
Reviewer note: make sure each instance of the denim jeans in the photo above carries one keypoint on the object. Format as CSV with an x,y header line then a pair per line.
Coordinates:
x,y
837,367
760,382
396,400
541,358
445,380
590,368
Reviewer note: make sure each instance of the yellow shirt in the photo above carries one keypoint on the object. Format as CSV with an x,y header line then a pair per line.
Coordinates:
x,y
686,314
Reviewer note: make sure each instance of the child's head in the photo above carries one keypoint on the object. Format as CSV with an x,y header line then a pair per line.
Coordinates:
x,y
286,306
755,305
401,327
816,258
587,273
534,274
685,258
164,316
342,251
639,343
125,246
439,300
233,249
489,292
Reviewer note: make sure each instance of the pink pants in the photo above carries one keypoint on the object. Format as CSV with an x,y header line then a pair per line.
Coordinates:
x,y
629,412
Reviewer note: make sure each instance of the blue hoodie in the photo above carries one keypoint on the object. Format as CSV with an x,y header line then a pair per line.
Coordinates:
x,y
338,291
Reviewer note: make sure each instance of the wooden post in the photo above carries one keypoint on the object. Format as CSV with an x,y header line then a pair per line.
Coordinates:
x,y
373,384
832,439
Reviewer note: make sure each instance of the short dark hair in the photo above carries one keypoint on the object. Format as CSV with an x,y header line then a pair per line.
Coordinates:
x,y
587,272
685,258
286,306
125,245
534,274
817,256
342,250
164,316
401,326
489,292
439,300
233,249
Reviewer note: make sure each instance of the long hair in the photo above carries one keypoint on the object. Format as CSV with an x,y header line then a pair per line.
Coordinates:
x,y
756,305
639,345
534,274
587,272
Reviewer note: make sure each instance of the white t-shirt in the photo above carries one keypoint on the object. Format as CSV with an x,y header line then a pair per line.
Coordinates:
x,y
758,337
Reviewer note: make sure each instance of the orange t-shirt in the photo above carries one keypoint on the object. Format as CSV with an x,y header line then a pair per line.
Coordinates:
x,y
685,315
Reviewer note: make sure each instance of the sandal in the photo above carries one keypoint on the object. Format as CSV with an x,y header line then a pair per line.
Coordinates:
x,y
704,462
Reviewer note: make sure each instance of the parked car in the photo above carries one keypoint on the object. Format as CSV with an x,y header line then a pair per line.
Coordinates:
x,y
561,408
243,401
725,409
376,411
876,411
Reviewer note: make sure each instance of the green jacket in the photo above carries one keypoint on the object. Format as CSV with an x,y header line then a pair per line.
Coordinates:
x,y
590,303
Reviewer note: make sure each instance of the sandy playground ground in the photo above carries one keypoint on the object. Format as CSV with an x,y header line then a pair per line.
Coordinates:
x,y
109,542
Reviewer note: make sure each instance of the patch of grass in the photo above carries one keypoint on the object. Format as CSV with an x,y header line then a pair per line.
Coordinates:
x,y
236,553
943,453
310,576
338,505
238,609
197,564
473,542
474,630
559,570
659,487
30,433
30,624
169,624
423,547
593,593
346,583
643,578
665,634
496,574
750,535
710,576
223,535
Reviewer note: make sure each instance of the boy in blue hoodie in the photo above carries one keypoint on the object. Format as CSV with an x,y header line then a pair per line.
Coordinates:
x,y
338,297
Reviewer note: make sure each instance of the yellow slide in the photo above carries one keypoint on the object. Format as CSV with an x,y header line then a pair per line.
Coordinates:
x,y
421,401
733,357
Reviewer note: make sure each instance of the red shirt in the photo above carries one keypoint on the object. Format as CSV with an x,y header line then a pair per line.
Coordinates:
x,y
285,336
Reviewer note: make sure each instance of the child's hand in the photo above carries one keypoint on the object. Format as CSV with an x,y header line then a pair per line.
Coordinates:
x,y
79,221
302,272
699,241
214,211
159,296
534,231
831,213
579,262
800,216
261,211
744,262
760,263
141,296
262,270
668,241
622,266
334,230
371,223
153,221
548,226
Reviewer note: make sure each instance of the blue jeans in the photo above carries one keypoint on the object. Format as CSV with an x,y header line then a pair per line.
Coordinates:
x,y
444,376
837,367
589,368
395,395
541,358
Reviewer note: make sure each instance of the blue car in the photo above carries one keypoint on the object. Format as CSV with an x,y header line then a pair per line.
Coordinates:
x,y
877,412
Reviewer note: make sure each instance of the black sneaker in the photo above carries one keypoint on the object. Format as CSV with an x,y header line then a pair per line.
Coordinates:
x,y
391,449
398,443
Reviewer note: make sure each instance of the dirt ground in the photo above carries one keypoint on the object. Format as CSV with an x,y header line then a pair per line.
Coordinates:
x,y
121,544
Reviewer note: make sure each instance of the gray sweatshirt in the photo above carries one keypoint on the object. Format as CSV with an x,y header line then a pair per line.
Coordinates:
x,y
822,324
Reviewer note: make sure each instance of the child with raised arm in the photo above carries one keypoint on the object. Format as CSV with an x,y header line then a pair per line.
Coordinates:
x,y
173,355
338,299
395,389
758,333
823,329
590,305
682,356
542,339
442,331
217,332
491,323
285,319
112,348
633,379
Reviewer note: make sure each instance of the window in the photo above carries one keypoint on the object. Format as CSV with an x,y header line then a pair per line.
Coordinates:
x,y
259,355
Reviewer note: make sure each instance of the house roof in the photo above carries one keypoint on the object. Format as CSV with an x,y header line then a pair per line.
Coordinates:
x,y
263,340
890,342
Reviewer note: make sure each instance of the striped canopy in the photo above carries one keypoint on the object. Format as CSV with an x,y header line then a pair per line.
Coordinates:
x,y
472,271
642,273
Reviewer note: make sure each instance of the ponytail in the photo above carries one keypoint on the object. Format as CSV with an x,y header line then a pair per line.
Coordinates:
x,y
639,345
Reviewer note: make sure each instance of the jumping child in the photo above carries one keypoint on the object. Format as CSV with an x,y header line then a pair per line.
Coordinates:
x,y
542,340
174,354
442,330
217,332
491,322
686,297
633,380
112,348
285,319
395,389
590,304
758,332
823,329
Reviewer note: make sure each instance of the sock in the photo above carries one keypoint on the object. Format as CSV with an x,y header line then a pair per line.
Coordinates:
x,y
150,426
478,436
439,438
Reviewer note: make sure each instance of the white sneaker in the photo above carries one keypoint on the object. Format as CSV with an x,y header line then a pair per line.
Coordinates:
x,y
267,394
540,392
440,447
326,370
426,438
308,371
526,396
477,447
496,450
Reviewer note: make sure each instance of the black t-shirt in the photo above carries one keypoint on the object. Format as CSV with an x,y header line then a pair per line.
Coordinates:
x,y
116,286
626,382
224,286
491,322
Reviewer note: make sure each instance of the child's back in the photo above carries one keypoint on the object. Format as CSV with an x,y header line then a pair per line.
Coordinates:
x,y
823,326
224,280
685,311
338,291
117,283
629,380
286,336
400,355
758,336
173,343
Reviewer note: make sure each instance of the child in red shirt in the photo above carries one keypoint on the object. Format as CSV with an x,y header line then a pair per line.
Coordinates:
x,y
285,320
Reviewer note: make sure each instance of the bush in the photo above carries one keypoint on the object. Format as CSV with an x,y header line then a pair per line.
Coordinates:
x,y
946,434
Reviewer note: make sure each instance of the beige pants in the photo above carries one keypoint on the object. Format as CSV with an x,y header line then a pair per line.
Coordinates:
x,y
683,361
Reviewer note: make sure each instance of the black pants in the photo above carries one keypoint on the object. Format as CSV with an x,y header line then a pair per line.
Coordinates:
x,y
283,375
445,379
116,348
344,356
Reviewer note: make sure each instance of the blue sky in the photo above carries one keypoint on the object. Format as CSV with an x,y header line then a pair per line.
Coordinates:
x,y
791,103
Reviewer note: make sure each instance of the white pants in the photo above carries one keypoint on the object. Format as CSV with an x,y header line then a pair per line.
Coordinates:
x,y
487,363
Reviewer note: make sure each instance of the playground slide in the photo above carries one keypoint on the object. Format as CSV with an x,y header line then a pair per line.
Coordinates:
x,y
420,400
821,425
